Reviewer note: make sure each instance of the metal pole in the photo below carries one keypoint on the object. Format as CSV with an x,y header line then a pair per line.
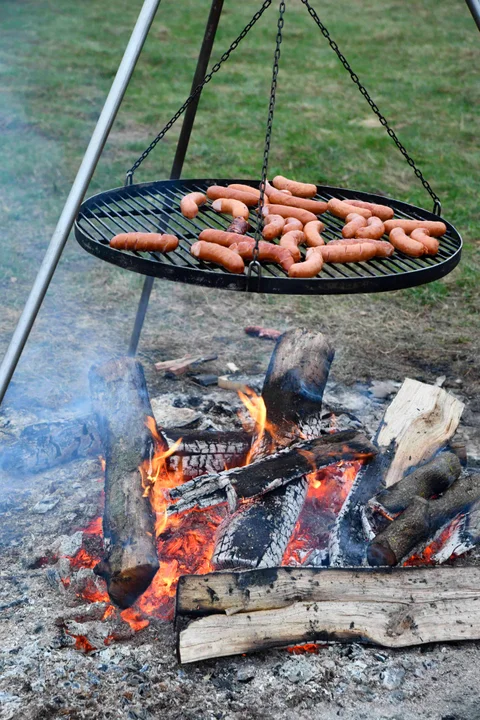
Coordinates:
x,y
79,187
474,7
189,119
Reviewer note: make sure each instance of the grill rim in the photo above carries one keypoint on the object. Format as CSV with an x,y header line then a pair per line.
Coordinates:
x,y
354,277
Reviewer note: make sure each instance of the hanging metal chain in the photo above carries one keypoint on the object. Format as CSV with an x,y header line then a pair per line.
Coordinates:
x,y
197,91
268,136
437,206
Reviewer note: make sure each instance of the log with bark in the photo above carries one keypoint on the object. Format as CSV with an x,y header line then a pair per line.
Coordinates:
x,y
121,405
258,533
259,609
417,424
421,520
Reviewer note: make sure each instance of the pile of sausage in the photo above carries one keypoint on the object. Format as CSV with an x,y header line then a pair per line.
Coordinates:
x,y
291,219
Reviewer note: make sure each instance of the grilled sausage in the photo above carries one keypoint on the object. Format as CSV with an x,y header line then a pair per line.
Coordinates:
x,y
219,237
436,228
190,203
209,252
384,212
267,252
299,189
269,189
288,211
239,226
312,232
217,192
141,241
405,244
354,223
246,189
309,268
291,241
423,236
274,225
383,248
346,252
341,209
373,230
228,206
314,206
292,223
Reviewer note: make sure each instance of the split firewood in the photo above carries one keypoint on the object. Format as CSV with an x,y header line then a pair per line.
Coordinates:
x,y
430,479
207,451
271,472
122,407
289,606
421,520
180,366
417,424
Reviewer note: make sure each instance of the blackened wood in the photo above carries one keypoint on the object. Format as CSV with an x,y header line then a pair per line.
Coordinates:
x,y
121,404
430,479
274,471
266,589
208,451
421,520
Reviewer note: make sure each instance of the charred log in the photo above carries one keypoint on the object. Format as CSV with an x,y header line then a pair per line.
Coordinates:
x,y
421,520
206,452
121,404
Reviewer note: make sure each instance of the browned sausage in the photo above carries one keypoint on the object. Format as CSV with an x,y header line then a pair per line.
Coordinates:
x,y
217,192
309,268
346,252
269,189
405,244
292,223
274,225
423,236
436,228
288,211
312,232
267,252
141,241
209,252
341,209
239,226
219,237
383,248
373,231
299,189
190,203
384,212
228,206
354,223
246,189
314,206
291,241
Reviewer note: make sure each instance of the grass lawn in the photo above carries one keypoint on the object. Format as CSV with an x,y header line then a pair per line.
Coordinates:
x,y
418,59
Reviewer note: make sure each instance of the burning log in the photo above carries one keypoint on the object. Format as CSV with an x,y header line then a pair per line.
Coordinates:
x,y
261,609
430,479
417,424
207,452
421,520
257,535
122,407
278,469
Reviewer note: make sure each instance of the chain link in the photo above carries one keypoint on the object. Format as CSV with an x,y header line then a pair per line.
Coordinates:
x,y
437,207
197,91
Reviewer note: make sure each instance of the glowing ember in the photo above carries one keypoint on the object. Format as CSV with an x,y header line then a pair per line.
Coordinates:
x,y
83,559
427,556
91,593
95,527
134,619
310,648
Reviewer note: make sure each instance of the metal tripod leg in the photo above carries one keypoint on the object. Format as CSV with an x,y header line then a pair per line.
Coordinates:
x,y
79,187
474,7
187,126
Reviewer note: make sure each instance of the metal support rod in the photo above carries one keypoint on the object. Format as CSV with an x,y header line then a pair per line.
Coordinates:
x,y
79,187
474,7
182,145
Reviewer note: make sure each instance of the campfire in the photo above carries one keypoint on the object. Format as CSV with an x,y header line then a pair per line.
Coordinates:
x,y
248,537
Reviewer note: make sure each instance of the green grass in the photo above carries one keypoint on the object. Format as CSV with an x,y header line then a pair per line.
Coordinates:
x,y
418,59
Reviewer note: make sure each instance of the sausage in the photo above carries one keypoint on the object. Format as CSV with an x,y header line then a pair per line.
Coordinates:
x,y
217,192
347,252
236,208
423,236
354,223
383,248
190,203
141,241
269,189
267,252
210,252
246,189
384,212
309,268
287,211
373,230
292,240
239,226
405,244
314,206
292,223
436,228
312,232
219,237
274,225
341,209
299,189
